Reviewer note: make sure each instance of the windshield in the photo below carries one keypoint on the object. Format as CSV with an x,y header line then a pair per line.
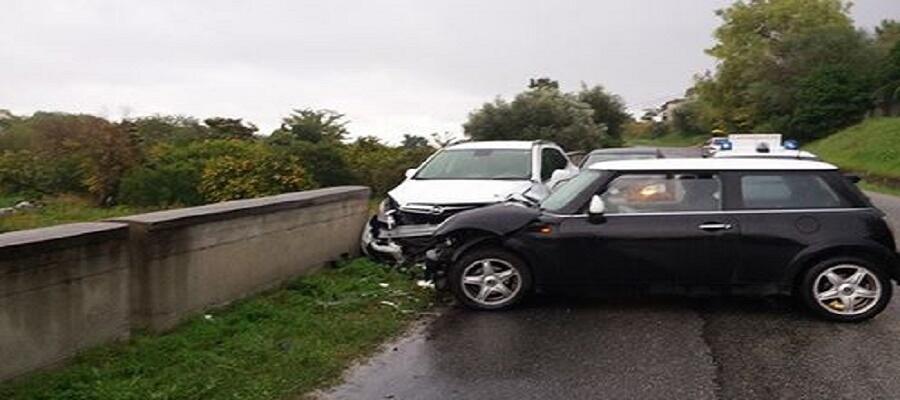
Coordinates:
x,y
563,195
478,164
595,158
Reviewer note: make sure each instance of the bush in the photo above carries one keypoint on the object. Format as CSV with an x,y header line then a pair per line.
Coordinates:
x,y
380,166
264,173
22,172
172,174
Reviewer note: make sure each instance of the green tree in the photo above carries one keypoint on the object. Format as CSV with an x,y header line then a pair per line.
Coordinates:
x,y
542,112
609,110
380,166
312,126
230,128
770,54
887,34
414,141
147,132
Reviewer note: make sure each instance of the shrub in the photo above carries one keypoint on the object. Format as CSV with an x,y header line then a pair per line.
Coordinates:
x,y
380,166
172,174
264,173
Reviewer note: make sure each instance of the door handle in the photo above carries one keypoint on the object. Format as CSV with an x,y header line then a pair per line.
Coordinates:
x,y
709,227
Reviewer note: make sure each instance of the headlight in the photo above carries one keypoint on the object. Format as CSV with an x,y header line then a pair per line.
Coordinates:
x,y
385,209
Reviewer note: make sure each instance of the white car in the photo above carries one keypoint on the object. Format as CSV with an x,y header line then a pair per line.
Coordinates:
x,y
459,178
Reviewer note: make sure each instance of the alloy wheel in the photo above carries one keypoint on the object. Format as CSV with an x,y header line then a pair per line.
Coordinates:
x,y
847,289
491,281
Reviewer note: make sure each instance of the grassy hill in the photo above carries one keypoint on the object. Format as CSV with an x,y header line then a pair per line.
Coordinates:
x,y
871,148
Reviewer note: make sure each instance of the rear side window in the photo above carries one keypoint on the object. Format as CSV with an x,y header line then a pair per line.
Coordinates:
x,y
789,191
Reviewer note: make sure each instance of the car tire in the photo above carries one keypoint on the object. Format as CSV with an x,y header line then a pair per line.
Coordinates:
x,y
499,284
830,289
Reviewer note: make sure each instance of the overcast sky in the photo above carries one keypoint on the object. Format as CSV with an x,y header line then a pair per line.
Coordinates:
x,y
392,67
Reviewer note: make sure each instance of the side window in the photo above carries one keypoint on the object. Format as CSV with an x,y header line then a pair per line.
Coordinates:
x,y
644,193
551,160
788,191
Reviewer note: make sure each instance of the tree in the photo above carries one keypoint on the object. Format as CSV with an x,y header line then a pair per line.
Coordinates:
x,y
313,126
102,150
380,166
609,109
147,132
887,35
687,120
542,112
543,83
442,140
769,54
230,128
414,141
828,99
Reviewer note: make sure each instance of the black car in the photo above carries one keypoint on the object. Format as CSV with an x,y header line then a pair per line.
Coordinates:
x,y
620,153
748,226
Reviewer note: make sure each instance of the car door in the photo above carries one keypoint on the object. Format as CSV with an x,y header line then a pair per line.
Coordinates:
x,y
657,228
781,213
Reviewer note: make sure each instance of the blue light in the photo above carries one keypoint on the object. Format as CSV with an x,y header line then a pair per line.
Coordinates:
x,y
791,144
725,145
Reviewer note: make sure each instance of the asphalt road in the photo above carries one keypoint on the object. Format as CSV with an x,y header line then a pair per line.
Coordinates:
x,y
639,347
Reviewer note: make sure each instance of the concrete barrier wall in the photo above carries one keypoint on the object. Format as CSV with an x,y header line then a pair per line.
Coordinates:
x,y
62,289
67,288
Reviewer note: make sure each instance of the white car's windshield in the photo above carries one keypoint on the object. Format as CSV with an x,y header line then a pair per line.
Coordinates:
x,y
478,164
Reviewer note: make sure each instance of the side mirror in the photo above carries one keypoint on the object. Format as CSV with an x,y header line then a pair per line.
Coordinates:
x,y
596,209
410,173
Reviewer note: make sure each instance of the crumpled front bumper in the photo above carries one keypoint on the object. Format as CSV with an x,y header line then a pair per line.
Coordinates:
x,y
396,245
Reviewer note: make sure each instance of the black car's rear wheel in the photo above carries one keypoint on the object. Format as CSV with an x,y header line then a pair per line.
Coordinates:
x,y
846,289
490,279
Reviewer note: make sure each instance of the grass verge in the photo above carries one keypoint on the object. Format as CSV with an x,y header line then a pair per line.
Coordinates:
x,y
875,187
57,210
870,149
283,343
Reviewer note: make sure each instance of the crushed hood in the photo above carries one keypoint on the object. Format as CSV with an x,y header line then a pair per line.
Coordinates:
x,y
455,191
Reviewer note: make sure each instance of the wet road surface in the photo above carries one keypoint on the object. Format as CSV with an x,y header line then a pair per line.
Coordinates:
x,y
639,347
645,348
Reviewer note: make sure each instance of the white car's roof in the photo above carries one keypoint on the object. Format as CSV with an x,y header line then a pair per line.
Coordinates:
x,y
711,164
494,144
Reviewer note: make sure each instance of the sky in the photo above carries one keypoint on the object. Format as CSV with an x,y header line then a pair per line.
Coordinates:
x,y
392,67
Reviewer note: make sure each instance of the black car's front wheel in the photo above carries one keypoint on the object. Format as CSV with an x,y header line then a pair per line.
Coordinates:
x,y
846,289
490,279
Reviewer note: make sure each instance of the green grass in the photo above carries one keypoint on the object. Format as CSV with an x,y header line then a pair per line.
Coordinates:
x,y
870,148
58,210
670,140
277,345
880,188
